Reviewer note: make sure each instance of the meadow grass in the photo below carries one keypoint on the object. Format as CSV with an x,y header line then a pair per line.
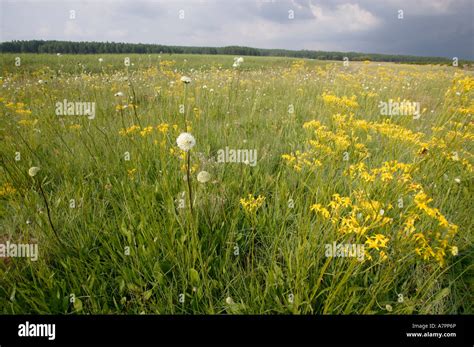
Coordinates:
x,y
330,168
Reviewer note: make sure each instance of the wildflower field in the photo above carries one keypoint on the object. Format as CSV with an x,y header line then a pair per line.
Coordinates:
x,y
211,184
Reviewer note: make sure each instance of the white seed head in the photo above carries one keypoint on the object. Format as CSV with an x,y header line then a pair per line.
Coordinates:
x,y
186,141
186,79
33,171
203,177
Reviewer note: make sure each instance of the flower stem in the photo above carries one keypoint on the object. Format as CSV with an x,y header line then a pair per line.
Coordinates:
x,y
185,108
49,213
188,179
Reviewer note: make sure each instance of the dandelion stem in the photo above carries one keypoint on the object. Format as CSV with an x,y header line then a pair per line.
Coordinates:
x,y
49,213
188,179
185,108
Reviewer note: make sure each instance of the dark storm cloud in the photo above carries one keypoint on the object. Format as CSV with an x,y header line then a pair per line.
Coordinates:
x,y
429,27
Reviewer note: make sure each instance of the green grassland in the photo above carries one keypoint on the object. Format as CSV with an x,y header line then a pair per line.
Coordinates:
x,y
124,243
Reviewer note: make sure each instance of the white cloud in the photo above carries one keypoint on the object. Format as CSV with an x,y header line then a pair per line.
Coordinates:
x,y
344,17
344,25
425,7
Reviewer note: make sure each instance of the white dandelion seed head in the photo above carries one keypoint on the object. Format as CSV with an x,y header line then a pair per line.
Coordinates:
x,y
33,171
186,141
457,180
389,308
101,60
203,177
186,79
237,61
229,301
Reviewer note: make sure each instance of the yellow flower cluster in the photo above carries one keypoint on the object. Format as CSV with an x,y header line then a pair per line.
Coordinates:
x,y
422,200
145,131
449,143
299,159
167,63
467,110
386,173
433,247
397,132
7,190
129,131
18,108
343,102
377,241
324,137
460,96
326,144
430,243
358,215
251,204
353,216
162,128
460,84
298,65
386,128
320,209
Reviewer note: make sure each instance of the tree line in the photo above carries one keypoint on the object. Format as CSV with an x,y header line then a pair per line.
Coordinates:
x,y
69,47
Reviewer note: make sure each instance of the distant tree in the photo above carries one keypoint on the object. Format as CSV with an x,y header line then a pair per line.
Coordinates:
x,y
53,47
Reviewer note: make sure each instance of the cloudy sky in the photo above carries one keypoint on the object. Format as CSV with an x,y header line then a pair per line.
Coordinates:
x,y
429,27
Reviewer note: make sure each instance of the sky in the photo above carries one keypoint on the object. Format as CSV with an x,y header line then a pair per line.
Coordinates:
x,y
428,28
